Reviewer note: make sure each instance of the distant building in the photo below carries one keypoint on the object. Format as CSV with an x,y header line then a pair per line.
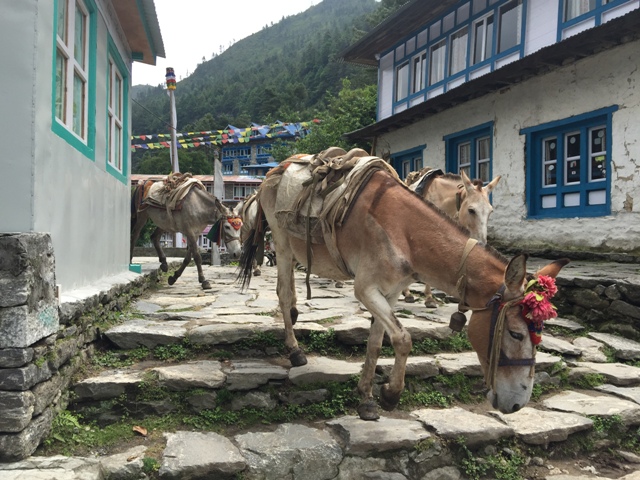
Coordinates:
x,y
545,93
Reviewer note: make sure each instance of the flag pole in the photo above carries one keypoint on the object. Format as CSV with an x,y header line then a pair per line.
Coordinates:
x,y
171,88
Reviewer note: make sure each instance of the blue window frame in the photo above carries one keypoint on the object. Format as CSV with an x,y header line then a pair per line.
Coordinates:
x,y
572,12
227,167
453,46
471,151
408,161
569,166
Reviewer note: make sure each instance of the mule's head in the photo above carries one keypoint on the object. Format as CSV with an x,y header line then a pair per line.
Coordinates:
x,y
231,226
474,206
505,335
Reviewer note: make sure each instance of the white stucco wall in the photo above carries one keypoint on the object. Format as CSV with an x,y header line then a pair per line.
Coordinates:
x,y
606,79
74,198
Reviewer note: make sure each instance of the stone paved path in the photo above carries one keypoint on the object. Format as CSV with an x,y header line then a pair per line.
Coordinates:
x,y
400,446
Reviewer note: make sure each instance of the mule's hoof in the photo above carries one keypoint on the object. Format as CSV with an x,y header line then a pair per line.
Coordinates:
x,y
297,358
388,400
172,280
257,273
410,299
339,284
430,303
164,267
368,410
206,285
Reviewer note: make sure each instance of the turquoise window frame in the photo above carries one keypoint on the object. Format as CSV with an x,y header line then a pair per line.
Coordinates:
x,y
453,140
558,129
413,155
112,52
88,149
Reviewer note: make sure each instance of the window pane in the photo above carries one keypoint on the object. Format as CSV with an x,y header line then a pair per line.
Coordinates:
x,y
549,161
402,81
418,73
79,40
573,171
483,148
464,155
78,105
598,170
575,8
459,51
118,96
437,62
61,69
117,148
573,145
62,20
483,171
510,20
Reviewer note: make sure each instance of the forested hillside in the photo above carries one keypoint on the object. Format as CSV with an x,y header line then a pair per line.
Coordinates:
x,y
289,71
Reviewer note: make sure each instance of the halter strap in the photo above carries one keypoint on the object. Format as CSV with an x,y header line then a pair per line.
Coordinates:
x,y
461,285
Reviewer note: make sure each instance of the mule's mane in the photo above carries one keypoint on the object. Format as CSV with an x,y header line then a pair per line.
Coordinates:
x,y
457,178
494,253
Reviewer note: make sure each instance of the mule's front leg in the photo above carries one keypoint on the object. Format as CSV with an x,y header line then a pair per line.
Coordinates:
x,y
155,238
193,246
429,300
287,299
177,273
368,408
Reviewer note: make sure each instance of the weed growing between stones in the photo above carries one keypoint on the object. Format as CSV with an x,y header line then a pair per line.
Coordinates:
x,y
150,465
505,464
540,389
441,391
588,381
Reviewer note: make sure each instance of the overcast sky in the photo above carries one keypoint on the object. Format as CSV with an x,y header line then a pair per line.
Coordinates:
x,y
192,29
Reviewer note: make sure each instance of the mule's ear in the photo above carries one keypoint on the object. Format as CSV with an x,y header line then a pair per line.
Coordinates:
x,y
552,269
468,186
492,184
515,273
238,208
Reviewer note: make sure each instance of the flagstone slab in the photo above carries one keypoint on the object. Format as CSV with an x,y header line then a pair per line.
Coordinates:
x,y
170,302
225,334
465,363
565,323
625,349
616,373
250,374
365,438
455,422
421,329
247,319
421,367
628,393
352,330
558,345
109,384
200,455
187,376
591,350
291,452
322,369
596,404
146,307
540,427
148,333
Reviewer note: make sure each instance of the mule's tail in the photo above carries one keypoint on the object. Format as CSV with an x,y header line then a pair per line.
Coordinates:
x,y
252,248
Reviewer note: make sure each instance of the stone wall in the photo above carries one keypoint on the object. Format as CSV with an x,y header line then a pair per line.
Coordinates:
x,y
43,344
605,305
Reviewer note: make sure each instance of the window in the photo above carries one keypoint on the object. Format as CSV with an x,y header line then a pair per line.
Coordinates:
x,y
482,39
458,51
575,8
115,108
471,151
72,61
243,191
227,168
418,79
402,81
243,168
436,62
568,166
407,161
510,25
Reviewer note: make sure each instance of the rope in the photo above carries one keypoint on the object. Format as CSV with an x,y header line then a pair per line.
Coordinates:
x,y
496,346
461,285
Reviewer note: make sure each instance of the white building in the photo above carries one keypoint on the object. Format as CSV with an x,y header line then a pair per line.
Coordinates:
x,y
545,93
65,126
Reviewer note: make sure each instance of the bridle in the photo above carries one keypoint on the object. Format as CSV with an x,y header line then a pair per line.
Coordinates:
x,y
497,358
